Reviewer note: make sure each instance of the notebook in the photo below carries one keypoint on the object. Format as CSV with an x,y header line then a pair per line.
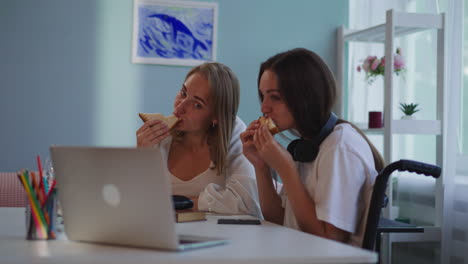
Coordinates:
x,y
119,196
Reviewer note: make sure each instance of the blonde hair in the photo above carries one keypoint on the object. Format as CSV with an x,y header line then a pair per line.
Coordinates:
x,y
225,92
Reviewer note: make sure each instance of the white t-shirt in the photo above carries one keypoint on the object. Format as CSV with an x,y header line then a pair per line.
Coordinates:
x,y
340,182
233,193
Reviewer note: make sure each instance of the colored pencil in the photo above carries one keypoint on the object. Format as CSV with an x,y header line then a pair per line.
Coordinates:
x,y
35,209
41,178
52,186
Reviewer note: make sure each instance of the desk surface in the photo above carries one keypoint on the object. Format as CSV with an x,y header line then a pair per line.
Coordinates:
x,y
266,243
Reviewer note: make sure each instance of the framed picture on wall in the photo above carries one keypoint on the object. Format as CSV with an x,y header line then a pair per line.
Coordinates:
x,y
174,32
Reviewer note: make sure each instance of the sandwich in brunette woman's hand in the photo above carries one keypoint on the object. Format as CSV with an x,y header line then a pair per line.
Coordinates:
x,y
270,124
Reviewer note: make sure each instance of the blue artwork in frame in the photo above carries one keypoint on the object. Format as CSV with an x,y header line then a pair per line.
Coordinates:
x,y
174,32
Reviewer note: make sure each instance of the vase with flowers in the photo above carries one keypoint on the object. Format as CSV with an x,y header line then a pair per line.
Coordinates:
x,y
374,66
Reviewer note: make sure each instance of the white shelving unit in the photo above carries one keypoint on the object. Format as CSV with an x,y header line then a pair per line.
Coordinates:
x,y
399,24
412,127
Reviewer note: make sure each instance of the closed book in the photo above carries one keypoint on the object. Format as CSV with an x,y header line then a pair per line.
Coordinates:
x,y
189,215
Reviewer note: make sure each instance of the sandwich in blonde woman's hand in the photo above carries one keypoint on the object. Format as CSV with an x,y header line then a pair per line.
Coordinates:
x,y
170,120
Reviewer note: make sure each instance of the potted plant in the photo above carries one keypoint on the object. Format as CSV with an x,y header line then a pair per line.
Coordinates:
x,y
408,110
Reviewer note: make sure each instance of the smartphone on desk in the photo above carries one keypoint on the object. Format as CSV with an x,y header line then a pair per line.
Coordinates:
x,y
229,221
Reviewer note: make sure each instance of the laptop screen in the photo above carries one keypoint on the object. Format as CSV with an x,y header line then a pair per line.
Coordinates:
x,y
115,195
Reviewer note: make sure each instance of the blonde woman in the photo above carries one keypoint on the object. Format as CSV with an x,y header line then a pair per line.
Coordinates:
x,y
204,152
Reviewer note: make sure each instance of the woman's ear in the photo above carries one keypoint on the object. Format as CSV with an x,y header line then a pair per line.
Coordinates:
x,y
214,123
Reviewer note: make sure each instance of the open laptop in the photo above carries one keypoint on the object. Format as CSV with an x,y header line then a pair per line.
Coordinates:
x,y
119,196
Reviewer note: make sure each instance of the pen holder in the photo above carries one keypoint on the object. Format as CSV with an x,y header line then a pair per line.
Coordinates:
x,y
42,219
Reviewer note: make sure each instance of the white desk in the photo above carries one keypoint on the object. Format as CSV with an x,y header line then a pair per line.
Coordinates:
x,y
266,243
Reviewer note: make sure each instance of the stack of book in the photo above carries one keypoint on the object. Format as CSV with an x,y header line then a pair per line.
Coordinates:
x,y
188,215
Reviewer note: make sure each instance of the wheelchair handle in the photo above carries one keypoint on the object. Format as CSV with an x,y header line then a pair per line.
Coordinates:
x,y
421,168
413,166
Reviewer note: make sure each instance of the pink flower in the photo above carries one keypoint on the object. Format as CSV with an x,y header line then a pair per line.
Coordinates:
x,y
399,62
375,64
370,59
366,66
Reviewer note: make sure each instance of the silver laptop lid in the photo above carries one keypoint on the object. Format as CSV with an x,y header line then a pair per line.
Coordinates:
x,y
115,195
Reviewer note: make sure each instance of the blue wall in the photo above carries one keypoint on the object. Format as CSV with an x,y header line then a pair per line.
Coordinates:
x,y
66,76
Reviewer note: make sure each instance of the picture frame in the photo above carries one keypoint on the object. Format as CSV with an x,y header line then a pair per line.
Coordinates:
x,y
174,32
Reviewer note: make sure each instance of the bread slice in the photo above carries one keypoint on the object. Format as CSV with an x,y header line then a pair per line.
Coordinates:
x,y
270,124
170,120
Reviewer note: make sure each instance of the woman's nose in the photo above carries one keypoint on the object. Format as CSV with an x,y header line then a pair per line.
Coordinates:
x,y
180,107
265,108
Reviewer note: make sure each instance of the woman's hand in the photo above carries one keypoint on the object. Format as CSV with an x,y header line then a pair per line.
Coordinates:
x,y
271,152
248,145
151,133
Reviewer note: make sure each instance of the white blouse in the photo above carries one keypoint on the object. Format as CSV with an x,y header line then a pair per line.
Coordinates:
x,y
233,193
340,182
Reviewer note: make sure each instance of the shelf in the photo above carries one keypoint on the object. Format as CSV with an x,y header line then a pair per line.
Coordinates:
x,y
405,23
373,131
410,127
428,127
397,25
377,33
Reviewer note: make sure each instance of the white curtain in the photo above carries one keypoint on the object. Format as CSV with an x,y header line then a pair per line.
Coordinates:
x,y
455,219
365,97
